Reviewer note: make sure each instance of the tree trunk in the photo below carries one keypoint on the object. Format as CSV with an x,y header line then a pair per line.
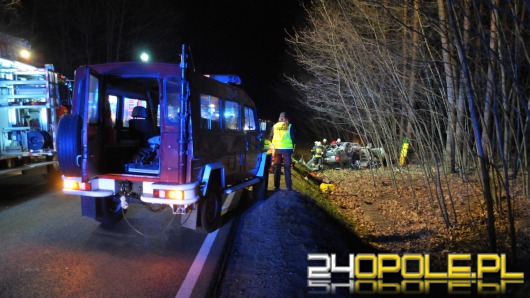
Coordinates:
x,y
487,130
413,60
468,86
449,89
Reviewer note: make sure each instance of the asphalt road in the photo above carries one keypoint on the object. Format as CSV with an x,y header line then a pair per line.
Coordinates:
x,y
47,249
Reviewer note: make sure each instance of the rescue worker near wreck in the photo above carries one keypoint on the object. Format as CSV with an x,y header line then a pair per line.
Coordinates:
x,y
283,144
316,161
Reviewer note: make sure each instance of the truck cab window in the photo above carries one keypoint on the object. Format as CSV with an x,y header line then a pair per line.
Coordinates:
x,y
231,115
210,119
158,115
113,101
250,119
93,99
129,104
173,104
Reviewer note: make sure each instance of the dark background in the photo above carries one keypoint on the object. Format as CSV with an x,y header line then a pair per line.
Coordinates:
x,y
242,37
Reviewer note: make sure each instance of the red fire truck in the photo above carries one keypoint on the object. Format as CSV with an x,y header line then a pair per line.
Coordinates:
x,y
191,142
31,101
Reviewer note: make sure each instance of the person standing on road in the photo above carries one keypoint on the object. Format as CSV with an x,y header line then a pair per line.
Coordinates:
x,y
283,143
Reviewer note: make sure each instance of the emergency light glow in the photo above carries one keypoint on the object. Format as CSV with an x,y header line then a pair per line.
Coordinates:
x,y
24,54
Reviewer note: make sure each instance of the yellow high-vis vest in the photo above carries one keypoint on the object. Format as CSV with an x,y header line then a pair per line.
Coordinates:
x,y
281,138
404,152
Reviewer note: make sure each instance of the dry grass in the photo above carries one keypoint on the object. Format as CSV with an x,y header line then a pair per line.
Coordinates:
x,y
396,211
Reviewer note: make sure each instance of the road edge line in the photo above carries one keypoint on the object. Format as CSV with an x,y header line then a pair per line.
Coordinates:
x,y
192,276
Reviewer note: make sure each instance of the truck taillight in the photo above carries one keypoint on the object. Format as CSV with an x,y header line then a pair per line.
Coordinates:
x,y
69,184
337,158
85,186
175,194
75,185
168,194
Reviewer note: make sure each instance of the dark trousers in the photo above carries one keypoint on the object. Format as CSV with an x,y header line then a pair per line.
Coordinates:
x,y
284,154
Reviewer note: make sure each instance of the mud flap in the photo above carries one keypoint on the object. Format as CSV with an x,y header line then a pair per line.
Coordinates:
x,y
88,207
190,218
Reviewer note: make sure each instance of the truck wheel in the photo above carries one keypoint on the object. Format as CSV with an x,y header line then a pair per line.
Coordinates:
x,y
69,144
210,208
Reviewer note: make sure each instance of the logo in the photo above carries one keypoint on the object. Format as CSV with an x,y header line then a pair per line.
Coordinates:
x,y
410,274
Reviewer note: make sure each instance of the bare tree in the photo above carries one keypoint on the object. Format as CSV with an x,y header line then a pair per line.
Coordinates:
x,y
9,16
103,31
445,74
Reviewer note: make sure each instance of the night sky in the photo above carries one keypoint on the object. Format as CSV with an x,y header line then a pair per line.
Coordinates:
x,y
246,38
242,37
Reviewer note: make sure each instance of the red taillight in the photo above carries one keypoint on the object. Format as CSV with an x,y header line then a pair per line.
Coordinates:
x,y
75,185
85,186
168,194
337,158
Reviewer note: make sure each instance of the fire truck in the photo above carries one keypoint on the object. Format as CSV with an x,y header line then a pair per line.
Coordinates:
x,y
191,142
31,101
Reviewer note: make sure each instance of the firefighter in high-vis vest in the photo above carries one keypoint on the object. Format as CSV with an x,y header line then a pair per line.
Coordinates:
x,y
283,144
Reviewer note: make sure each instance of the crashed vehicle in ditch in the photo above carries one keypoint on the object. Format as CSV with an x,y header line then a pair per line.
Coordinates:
x,y
346,155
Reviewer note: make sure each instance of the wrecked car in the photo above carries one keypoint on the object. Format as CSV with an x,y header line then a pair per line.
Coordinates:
x,y
347,155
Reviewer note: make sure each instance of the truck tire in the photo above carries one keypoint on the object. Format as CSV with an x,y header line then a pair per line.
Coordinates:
x,y
210,208
69,144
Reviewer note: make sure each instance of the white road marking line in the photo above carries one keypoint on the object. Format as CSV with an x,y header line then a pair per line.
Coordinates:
x,y
195,270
